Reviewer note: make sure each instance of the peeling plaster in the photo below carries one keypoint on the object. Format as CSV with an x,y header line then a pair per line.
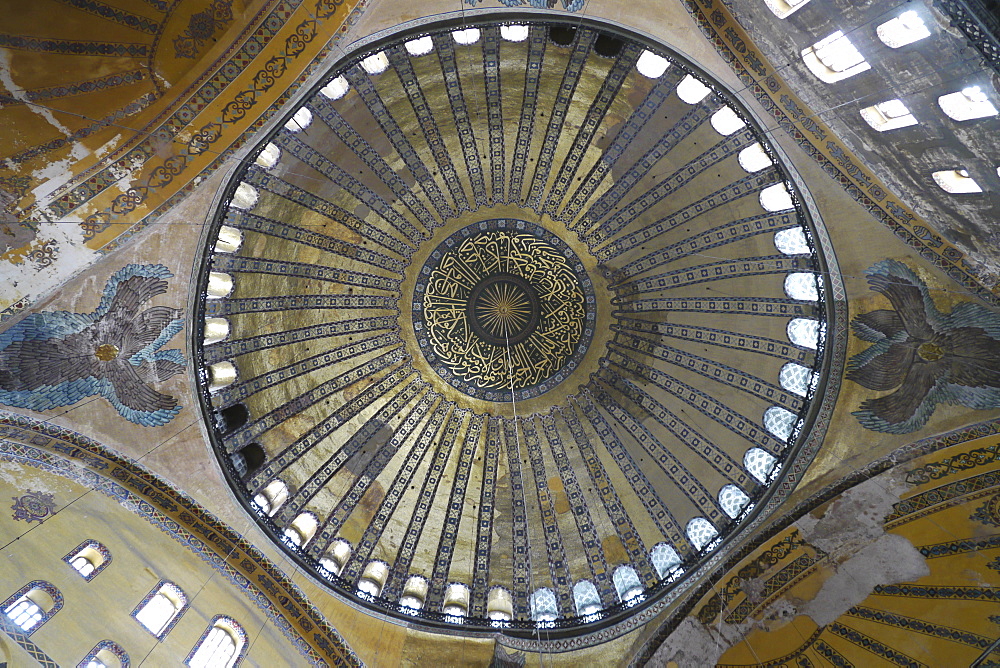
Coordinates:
x,y
19,93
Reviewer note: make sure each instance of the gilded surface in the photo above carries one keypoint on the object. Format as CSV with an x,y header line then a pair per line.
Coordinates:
x,y
503,311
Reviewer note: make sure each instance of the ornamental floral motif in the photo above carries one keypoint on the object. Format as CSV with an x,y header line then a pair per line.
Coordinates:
x,y
202,27
926,356
33,506
57,358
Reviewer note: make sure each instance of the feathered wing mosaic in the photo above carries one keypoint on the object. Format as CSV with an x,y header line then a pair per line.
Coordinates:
x,y
925,355
57,358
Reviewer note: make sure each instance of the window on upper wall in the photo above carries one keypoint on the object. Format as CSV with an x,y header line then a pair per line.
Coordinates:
x,y
106,654
161,608
967,104
221,646
905,29
783,8
32,605
956,181
834,58
888,115
89,558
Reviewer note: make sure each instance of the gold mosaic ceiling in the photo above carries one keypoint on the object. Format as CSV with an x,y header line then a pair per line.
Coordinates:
x,y
522,318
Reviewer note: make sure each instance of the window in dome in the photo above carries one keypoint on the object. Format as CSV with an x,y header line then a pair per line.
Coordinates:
x,y
269,156
776,198
726,121
220,646
651,65
336,557
248,459
701,532
543,605
759,463
229,240
161,608
791,241
233,417
245,197
627,583
691,90
732,500
967,104
300,120
499,605
888,115
780,422
32,605
784,8
956,181
89,558
514,33
271,497
106,654
220,285
216,330
754,158
456,600
905,29
834,58
420,46
802,285
221,375
586,598
336,89
467,36
373,578
804,332
377,63
302,529
665,559
414,593
795,378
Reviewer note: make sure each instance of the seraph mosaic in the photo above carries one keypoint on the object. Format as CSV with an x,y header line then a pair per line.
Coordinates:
x,y
57,358
927,356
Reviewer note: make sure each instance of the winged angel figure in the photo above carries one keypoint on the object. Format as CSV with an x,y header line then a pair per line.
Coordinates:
x,y
927,356
57,358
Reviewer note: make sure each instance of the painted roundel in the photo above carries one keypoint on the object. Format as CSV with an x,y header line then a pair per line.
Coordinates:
x,y
503,307
512,325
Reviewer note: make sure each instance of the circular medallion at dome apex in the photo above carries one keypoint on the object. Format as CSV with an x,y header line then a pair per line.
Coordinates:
x,y
503,307
424,501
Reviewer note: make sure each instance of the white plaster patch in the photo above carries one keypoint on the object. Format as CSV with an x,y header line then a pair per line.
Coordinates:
x,y
691,645
889,560
51,177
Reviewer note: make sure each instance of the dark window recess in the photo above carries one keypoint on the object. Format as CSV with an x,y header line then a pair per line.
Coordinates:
x,y
562,35
248,459
233,417
607,46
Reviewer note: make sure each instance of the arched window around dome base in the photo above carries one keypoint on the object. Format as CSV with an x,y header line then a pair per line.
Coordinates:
x,y
302,529
776,198
791,241
665,559
732,500
271,497
795,378
691,90
726,121
414,593
627,583
804,332
373,578
759,463
701,532
651,65
499,605
543,605
780,422
802,286
456,600
420,46
586,599
336,556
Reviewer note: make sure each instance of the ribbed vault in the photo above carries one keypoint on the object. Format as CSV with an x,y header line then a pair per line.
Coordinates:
x,y
611,471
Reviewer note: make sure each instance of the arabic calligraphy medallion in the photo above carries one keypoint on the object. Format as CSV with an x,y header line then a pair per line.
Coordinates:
x,y
501,307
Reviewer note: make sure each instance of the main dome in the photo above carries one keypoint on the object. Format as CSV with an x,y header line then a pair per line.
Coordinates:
x,y
510,325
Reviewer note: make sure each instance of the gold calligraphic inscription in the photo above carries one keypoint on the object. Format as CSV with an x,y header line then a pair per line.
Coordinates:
x,y
503,310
